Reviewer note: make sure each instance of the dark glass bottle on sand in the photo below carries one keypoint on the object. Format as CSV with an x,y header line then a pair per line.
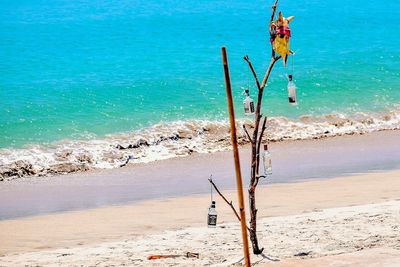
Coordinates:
x,y
212,216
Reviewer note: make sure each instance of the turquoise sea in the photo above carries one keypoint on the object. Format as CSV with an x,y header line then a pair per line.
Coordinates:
x,y
84,69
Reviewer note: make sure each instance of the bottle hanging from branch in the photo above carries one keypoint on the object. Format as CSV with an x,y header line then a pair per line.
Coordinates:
x,y
248,104
292,91
212,216
267,161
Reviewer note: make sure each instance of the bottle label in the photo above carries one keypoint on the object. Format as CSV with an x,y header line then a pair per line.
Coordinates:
x,y
252,107
212,220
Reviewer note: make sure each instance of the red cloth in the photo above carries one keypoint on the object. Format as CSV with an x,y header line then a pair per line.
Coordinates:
x,y
285,30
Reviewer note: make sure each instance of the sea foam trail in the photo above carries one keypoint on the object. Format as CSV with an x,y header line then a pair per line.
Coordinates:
x,y
176,139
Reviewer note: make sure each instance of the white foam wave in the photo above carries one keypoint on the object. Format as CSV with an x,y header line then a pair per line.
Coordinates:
x,y
176,139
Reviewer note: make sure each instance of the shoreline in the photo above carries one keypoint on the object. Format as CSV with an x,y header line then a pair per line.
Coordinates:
x,y
177,139
307,160
394,134
139,227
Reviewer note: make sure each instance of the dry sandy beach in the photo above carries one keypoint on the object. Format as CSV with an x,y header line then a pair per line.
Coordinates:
x,y
346,221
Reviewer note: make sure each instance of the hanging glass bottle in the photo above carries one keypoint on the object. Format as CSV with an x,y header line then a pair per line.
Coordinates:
x,y
248,104
267,161
292,91
212,216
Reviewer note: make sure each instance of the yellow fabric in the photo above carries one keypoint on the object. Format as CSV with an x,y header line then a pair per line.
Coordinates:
x,y
282,45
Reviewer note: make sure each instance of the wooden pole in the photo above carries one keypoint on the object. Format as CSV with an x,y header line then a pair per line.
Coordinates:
x,y
236,158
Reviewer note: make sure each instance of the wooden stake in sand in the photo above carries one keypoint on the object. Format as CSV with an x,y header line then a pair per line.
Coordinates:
x,y
236,158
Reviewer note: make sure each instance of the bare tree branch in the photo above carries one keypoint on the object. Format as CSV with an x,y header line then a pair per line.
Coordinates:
x,y
258,179
259,143
246,57
270,23
271,65
247,133
227,201
273,12
262,131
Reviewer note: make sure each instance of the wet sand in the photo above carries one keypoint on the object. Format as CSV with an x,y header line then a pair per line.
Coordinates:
x,y
292,161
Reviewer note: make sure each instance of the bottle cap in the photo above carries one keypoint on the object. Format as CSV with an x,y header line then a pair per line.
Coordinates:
x,y
290,76
212,204
265,147
247,91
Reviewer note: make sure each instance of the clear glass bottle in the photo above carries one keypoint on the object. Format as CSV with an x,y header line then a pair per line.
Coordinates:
x,y
212,216
267,161
292,91
248,104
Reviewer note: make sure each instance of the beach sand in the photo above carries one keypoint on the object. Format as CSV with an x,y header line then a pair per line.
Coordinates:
x,y
341,220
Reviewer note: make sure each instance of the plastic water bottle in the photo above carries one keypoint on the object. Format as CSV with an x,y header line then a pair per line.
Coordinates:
x,y
267,161
212,216
248,104
292,91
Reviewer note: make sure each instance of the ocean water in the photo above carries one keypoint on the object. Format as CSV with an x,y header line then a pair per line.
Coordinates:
x,y
78,78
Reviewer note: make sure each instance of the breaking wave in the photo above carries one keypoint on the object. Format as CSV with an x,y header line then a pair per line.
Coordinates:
x,y
176,139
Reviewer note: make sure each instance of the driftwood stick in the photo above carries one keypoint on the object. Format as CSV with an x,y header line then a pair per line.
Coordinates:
x,y
187,255
227,201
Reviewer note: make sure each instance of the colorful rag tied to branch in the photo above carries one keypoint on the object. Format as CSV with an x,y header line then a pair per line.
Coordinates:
x,y
280,36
